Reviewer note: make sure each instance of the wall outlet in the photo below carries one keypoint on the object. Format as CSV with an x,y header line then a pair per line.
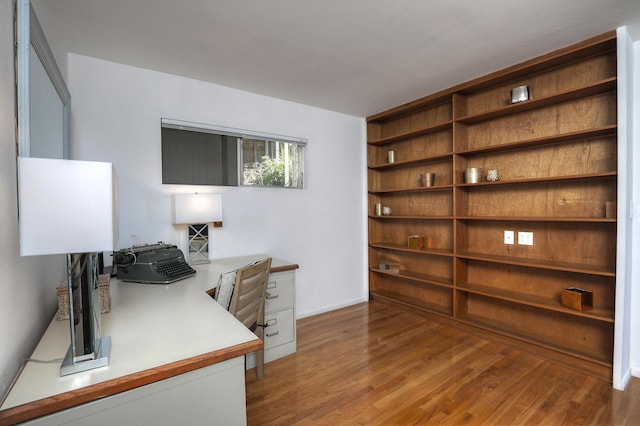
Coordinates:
x,y
508,237
525,238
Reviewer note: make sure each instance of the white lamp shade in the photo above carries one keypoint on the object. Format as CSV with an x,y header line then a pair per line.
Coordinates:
x,y
66,206
197,208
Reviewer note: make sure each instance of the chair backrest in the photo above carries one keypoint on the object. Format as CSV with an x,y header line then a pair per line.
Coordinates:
x,y
247,302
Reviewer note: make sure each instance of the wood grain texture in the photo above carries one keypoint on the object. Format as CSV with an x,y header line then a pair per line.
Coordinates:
x,y
284,268
374,364
87,394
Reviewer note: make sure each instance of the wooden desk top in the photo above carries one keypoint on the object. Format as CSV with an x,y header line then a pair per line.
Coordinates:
x,y
157,331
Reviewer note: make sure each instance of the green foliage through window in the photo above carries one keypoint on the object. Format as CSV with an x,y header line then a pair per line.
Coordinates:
x,y
272,163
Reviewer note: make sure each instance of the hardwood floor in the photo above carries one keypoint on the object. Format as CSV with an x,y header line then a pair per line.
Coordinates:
x,y
373,364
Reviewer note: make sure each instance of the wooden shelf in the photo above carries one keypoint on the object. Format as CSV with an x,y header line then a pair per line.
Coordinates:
x,y
508,329
420,189
539,219
431,129
418,277
552,304
537,142
409,302
413,162
590,176
557,159
541,264
597,88
398,247
398,217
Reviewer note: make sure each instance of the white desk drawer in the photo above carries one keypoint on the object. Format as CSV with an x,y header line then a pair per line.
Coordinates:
x,y
280,289
280,328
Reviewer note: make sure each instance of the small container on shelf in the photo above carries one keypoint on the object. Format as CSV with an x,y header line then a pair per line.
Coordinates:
x,y
492,175
577,298
427,179
393,268
416,242
473,175
390,267
520,94
391,156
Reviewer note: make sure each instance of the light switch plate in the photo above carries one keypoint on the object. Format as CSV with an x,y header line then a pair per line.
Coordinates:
x,y
508,237
525,238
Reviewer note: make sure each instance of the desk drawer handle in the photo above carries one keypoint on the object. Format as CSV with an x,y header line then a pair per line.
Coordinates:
x,y
272,333
272,284
272,296
272,321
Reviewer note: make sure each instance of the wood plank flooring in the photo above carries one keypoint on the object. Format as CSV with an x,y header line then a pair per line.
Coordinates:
x,y
374,364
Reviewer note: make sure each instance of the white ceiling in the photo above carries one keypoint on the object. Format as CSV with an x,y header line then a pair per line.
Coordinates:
x,y
353,56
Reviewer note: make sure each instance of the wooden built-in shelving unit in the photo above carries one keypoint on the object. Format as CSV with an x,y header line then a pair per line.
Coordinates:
x,y
556,155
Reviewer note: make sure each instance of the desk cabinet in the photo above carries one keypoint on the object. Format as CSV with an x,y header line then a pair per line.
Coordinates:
x,y
280,333
176,356
211,395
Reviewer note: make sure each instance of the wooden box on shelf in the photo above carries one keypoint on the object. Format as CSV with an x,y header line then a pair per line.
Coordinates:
x,y
416,242
577,298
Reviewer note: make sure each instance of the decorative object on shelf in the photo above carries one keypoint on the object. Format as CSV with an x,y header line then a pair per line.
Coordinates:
x,y
577,298
427,179
197,211
492,175
416,242
390,267
472,175
391,156
386,211
378,209
393,268
520,94
610,209
70,207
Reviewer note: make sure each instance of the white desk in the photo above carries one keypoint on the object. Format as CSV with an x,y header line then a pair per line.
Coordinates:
x,y
177,357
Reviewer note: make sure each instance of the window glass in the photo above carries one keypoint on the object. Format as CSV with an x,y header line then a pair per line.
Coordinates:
x,y
272,163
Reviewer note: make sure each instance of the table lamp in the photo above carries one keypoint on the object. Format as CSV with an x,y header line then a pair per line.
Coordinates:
x,y
197,211
70,207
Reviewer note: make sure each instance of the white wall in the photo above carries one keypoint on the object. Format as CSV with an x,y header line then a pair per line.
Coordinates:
x,y
627,327
621,350
27,285
635,178
115,116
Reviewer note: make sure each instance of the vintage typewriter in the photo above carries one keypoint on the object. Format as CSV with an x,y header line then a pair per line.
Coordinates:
x,y
151,263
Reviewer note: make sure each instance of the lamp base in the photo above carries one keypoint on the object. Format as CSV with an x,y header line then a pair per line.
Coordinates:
x,y
101,360
198,244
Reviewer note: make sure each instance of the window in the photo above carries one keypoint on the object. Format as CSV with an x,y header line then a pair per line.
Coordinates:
x,y
272,163
200,154
199,158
